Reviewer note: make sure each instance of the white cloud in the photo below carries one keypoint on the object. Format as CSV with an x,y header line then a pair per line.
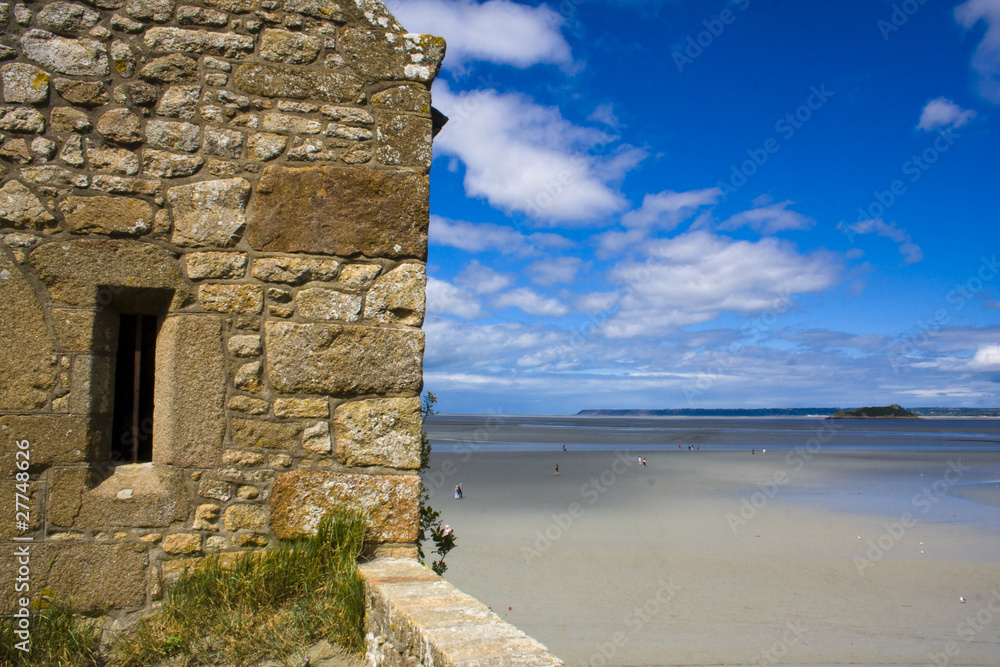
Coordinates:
x,y
482,279
910,251
697,276
530,302
554,271
443,298
942,112
668,209
986,60
604,113
769,218
986,359
496,31
526,158
484,237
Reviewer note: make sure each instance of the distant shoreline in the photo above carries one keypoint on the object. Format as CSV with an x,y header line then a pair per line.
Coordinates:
x,y
779,412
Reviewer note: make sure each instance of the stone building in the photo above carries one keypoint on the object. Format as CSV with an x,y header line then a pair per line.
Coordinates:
x,y
214,222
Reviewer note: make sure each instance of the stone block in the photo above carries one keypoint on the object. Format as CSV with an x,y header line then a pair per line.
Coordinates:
x,y
201,16
372,54
341,211
244,345
224,143
179,40
51,175
92,386
182,543
294,270
245,517
22,119
223,265
379,432
319,304
266,434
268,80
404,140
316,438
72,152
120,126
24,84
288,124
83,93
408,97
91,576
170,165
294,48
76,57
125,185
209,212
328,10
21,209
249,377
234,457
206,517
9,521
172,135
113,160
160,11
347,114
84,330
179,102
73,270
55,438
344,360
27,365
301,407
67,487
66,18
114,216
123,59
358,276
397,297
265,146
299,499
217,489
170,69
248,405
189,420
246,299
68,119
135,496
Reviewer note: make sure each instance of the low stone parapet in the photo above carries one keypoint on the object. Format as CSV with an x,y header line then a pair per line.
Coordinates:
x,y
414,618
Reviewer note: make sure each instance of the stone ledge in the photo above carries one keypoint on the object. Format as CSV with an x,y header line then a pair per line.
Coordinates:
x,y
414,617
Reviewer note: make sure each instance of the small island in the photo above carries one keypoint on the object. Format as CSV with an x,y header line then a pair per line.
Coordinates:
x,y
887,412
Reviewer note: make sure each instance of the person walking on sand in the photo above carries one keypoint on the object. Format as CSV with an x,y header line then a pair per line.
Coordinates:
x,y
564,448
557,468
458,492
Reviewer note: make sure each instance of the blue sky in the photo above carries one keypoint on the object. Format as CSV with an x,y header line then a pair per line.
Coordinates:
x,y
733,203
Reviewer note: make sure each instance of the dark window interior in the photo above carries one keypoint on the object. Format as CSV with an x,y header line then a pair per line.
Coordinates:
x,y
132,434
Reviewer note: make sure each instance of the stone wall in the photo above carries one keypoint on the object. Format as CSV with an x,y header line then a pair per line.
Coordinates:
x,y
254,175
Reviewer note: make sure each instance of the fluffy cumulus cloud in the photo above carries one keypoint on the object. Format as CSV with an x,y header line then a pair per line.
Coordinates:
x,y
986,60
668,209
697,276
443,298
486,237
942,112
482,279
554,271
496,31
531,302
523,157
986,359
910,251
769,219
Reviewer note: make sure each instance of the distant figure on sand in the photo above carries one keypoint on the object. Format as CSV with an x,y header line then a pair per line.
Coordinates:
x,y
458,492
557,468
564,448
643,462
752,451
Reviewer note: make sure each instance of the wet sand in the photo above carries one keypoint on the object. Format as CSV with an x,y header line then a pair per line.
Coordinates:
x,y
728,558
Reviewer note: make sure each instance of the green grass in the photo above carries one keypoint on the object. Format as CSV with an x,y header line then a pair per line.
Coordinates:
x,y
58,637
267,604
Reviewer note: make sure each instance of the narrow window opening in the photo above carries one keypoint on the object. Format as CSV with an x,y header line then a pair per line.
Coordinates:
x,y
132,423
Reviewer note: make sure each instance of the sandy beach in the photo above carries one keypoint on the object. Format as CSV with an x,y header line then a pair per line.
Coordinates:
x,y
728,558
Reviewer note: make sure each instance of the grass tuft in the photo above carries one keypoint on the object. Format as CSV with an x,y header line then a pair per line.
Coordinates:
x,y
265,604
58,637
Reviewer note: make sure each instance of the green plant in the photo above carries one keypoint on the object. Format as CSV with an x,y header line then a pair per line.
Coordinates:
x,y
263,604
431,526
58,637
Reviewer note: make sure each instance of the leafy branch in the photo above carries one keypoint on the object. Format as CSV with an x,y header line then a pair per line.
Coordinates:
x,y
431,526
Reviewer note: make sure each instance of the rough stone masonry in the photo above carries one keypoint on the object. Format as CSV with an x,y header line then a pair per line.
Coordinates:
x,y
254,177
